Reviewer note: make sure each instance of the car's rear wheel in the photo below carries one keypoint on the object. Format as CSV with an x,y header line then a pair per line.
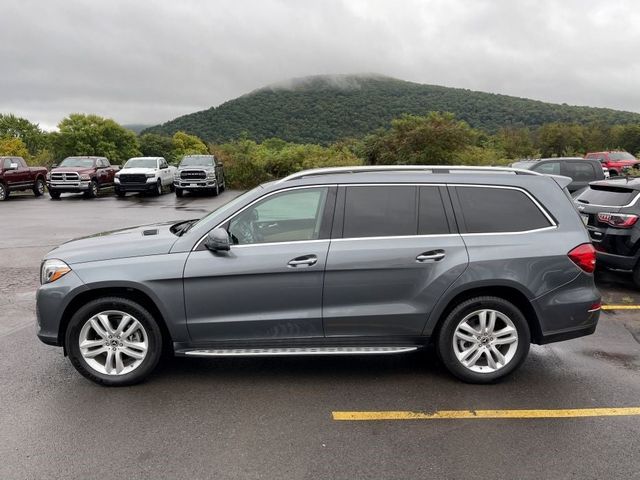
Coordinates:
x,y
114,341
38,187
4,192
483,339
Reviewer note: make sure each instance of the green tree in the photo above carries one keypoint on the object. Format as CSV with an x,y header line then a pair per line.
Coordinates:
x,y
33,137
515,143
154,145
185,144
627,137
81,134
432,139
561,139
11,146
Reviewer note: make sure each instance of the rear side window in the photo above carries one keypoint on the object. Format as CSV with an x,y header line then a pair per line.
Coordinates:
x,y
380,211
495,210
580,171
432,218
549,168
609,196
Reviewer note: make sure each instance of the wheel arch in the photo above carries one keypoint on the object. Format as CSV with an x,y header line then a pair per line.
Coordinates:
x,y
508,292
129,293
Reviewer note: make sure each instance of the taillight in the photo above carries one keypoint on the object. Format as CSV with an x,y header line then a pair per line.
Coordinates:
x,y
584,256
619,220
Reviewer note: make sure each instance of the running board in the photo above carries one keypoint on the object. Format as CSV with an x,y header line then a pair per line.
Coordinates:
x,y
274,352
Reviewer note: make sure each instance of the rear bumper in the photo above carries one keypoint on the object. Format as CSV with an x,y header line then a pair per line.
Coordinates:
x,y
620,262
567,312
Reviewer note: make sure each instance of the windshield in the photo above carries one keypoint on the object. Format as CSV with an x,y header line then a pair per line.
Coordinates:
x,y
525,165
77,162
197,161
141,163
621,156
229,206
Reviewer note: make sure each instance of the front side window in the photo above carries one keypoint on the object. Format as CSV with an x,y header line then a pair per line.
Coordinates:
x,y
294,215
380,211
499,210
580,171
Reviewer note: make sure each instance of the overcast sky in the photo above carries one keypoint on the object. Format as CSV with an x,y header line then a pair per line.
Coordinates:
x,y
148,62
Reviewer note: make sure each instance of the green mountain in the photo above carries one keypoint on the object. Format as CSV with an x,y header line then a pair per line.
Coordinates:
x,y
322,109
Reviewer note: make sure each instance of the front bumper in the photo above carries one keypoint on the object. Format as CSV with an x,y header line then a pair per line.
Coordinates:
x,y
207,183
79,186
51,301
149,185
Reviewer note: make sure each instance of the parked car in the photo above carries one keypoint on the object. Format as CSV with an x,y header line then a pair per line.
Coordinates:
x,y
580,170
199,173
354,260
81,175
144,174
15,175
615,161
610,210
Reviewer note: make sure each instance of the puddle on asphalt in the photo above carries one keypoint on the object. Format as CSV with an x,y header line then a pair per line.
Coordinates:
x,y
630,362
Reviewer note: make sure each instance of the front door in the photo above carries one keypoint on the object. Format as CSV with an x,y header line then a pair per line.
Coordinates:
x,y
397,253
269,285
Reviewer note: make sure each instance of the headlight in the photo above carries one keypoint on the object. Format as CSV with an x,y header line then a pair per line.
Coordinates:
x,y
117,174
211,174
52,270
85,177
48,176
151,175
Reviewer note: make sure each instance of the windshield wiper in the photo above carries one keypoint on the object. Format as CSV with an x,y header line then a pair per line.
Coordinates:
x,y
181,227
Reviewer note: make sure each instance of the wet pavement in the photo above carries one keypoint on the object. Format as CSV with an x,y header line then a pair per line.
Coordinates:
x,y
272,417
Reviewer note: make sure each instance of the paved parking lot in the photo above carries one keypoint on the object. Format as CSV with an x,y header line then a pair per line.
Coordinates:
x,y
280,417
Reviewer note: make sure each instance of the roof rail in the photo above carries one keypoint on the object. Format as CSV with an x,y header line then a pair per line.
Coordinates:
x,y
404,168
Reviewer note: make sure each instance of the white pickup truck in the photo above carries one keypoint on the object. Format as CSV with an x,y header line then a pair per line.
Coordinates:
x,y
144,174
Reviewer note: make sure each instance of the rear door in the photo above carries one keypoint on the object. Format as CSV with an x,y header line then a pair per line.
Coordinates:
x,y
394,251
581,172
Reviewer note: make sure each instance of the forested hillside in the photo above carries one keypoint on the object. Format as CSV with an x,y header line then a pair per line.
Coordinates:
x,y
323,109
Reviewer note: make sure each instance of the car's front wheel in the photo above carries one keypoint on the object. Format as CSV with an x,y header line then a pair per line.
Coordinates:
x,y
483,339
4,192
113,341
38,187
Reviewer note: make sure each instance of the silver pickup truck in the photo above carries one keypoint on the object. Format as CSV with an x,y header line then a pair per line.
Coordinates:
x,y
199,173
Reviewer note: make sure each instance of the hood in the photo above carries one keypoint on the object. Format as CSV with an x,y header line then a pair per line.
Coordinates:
x,y
154,239
138,170
72,169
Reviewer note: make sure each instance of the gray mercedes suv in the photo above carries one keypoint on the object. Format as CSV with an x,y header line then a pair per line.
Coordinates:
x,y
480,262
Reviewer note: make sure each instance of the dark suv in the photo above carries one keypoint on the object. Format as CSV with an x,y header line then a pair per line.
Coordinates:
x,y
580,170
610,210
357,260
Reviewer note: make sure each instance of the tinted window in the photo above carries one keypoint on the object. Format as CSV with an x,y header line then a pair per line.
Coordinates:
x,y
487,210
290,216
549,168
432,218
6,163
607,195
380,211
580,171
621,156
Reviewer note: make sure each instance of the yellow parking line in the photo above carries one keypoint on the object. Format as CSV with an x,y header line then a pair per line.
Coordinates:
x,y
620,307
477,414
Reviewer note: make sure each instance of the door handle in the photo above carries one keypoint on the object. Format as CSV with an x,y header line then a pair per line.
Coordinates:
x,y
433,255
307,260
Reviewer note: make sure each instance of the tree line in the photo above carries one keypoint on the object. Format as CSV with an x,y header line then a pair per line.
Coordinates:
x,y
435,138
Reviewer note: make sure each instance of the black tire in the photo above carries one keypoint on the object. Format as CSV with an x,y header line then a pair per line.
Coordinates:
x,y
223,187
636,276
172,187
130,307
4,192
54,194
216,191
38,187
93,191
120,193
158,190
179,192
445,339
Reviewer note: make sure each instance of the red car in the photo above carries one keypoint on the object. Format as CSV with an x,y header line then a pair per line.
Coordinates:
x,y
16,175
81,175
615,161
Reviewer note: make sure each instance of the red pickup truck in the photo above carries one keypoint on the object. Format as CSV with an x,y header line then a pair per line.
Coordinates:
x,y
16,175
615,161
81,175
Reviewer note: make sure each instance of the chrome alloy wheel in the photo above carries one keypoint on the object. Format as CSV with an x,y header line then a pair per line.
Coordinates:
x,y
485,341
113,342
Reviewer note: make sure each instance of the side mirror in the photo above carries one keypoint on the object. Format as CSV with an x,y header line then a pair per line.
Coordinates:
x,y
54,165
13,166
217,240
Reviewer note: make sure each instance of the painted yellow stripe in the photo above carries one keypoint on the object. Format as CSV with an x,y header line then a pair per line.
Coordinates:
x,y
621,307
477,414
